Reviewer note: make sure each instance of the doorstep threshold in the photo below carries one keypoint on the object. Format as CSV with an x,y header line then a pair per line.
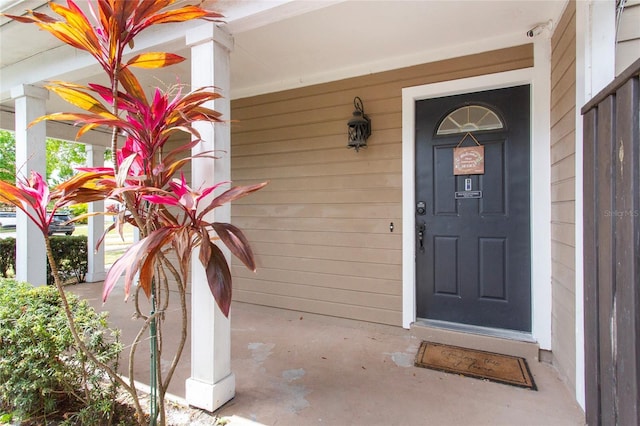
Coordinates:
x,y
476,329
508,342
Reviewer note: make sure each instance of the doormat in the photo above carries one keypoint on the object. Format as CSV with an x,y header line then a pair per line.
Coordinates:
x,y
507,369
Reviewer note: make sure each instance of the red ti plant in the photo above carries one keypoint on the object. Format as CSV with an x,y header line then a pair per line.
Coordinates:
x,y
171,216
34,198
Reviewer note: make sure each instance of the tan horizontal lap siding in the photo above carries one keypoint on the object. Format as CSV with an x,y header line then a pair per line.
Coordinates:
x,y
563,172
320,229
628,36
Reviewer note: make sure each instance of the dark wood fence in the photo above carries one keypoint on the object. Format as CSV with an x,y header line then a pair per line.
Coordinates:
x,y
612,252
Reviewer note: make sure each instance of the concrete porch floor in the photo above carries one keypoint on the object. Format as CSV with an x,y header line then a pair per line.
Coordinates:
x,y
295,368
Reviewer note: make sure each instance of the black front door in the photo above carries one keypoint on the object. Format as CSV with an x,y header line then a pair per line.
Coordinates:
x,y
473,250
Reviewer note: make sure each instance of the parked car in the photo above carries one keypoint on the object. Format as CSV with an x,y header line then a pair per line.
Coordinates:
x,y
61,225
7,219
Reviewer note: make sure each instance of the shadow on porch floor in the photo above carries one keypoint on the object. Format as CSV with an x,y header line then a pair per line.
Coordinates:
x,y
299,369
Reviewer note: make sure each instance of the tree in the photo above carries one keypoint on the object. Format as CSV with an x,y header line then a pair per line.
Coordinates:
x,y
62,158
7,156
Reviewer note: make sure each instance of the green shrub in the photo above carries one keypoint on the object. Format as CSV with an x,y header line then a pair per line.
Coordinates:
x,y
7,256
42,376
72,257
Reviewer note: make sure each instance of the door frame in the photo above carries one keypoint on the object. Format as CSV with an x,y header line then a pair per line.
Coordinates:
x,y
538,78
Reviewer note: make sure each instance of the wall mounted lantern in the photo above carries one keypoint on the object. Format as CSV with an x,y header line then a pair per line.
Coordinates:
x,y
359,126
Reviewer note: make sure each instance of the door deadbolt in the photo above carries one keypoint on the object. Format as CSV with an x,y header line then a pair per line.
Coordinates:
x,y
421,208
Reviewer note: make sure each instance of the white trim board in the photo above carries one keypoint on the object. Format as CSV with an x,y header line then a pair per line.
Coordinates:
x,y
540,187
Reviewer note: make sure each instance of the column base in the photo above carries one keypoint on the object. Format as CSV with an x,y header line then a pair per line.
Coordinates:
x,y
209,396
94,277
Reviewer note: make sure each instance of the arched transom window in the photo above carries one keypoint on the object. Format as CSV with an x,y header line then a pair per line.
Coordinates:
x,y
470,118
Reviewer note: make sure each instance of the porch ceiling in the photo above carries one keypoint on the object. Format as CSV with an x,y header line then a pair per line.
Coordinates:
x,y
284,44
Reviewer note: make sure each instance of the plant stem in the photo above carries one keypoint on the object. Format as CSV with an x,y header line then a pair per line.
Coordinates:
x,y
74,331
153,397
183,332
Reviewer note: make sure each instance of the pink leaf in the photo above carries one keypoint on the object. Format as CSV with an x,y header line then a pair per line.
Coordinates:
x,y
132,260
218,277
161,199
118,268
230,195
233,238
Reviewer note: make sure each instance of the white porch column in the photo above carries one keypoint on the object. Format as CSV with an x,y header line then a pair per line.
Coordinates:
x,y
211,383
595,68
95,272
30,102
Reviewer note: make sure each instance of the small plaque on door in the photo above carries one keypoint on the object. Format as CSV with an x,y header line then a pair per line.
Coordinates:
x,y
468,194
468,160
